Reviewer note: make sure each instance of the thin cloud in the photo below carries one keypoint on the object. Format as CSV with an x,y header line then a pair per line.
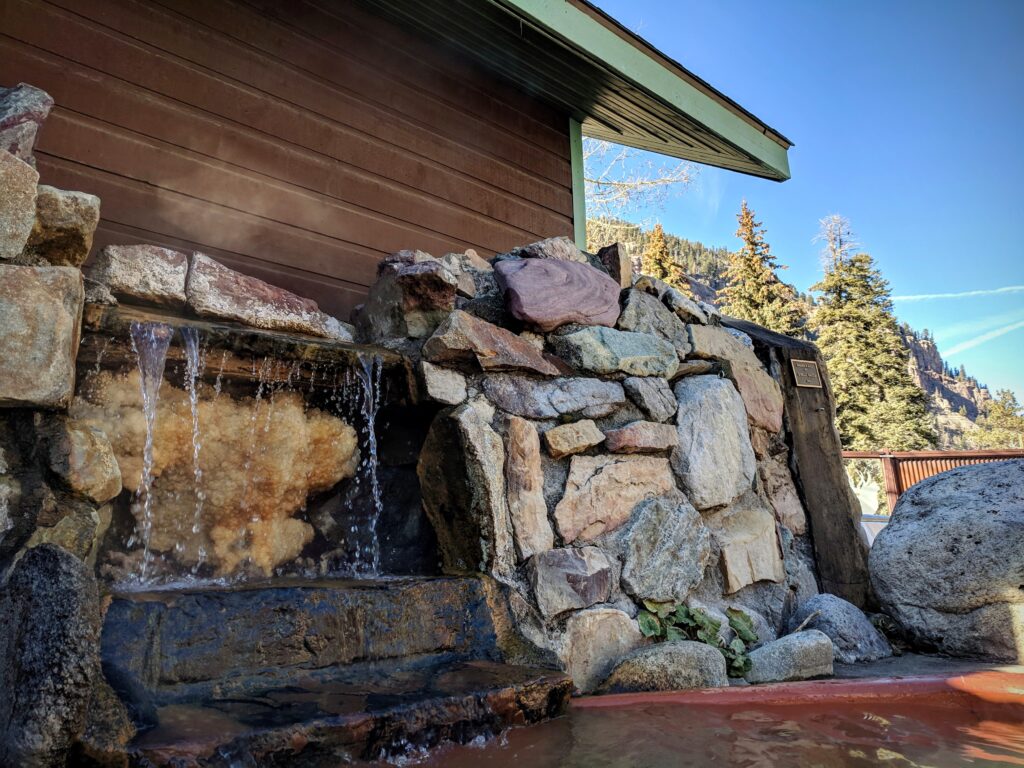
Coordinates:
x,y
961,294
985,337
947,334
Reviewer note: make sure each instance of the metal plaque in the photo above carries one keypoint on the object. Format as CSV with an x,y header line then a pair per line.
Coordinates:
x,y
806,373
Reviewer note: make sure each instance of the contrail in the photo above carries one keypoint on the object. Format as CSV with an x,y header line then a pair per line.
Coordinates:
x,y
961,295
985,337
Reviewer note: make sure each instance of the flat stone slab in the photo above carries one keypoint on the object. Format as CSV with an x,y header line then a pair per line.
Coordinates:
x,y
374,712
607,351
533,399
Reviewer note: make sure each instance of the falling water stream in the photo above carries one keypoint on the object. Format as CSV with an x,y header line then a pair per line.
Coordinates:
x,y
150,342
368,373
195,363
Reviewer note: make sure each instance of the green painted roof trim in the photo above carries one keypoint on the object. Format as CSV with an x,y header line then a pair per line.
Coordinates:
x,y
629,60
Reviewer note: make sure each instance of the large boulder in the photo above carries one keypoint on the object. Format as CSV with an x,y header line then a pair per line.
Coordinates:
x,y
413,294
607,351
601,491
664,549
761,394
524,483
49,656
593,641
216,291
549,293
799,656
144,273
714,460
569,579
463,338
40,327
853,637
949,566
672,666
554,399
18,181
23,109
64,225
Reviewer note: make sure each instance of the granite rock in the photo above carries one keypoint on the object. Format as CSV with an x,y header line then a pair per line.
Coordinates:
x,y
40,326
524,484
413,294
652,395
641,437
617,264
746,535
557,248
782,493
64,225
553,399
23,109
643,313
18,182
800,656
854,638
609,351
601,491
443,385
593,641
714,459
548,293
685,309
144,273
570,579
671,666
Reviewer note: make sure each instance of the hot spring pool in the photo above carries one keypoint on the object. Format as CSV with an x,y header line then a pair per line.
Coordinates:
x,y
975,720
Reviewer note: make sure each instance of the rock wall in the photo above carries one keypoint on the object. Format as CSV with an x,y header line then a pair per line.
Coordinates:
x,y
594,447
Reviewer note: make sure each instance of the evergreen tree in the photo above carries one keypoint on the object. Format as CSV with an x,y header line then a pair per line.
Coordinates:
x,y
878,405
753,290
657,261
1002,423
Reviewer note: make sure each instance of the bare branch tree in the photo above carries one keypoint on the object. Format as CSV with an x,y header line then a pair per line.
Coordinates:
x,y
838,238
622,181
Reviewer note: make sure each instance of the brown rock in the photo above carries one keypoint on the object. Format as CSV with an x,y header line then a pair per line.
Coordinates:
x,y
601,491
694,368
548,293
570,579
778,484
761,394
615,260
413,294
82,457
462,338
641,437
213,290
18,181
40,325
593,641
64,225
749,542
442,385
524,484
145,273
576,437
22,112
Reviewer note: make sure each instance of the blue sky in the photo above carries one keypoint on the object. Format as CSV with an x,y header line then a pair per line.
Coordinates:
x,y
908,118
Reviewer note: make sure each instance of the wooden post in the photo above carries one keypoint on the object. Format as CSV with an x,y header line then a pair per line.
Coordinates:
x,y
892,480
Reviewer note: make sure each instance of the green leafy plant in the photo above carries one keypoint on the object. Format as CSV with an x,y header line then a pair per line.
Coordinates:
x,y
671,621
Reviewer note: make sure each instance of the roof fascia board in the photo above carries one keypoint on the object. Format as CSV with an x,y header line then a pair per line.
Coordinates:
x,y
585,33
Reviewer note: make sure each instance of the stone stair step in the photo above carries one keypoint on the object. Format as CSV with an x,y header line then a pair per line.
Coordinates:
x,y
397,709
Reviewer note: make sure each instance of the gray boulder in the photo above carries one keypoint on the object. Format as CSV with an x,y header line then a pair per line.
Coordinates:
x,y
49,656
949,566
569,579
714,460
607,351
799,656
643,313
653,395
672,666
533,399
18,182
853,637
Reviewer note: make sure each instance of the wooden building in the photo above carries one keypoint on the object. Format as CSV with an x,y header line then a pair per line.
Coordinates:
x,y
301,141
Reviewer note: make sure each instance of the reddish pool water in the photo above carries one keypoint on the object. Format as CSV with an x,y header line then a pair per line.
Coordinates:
x,y
847,724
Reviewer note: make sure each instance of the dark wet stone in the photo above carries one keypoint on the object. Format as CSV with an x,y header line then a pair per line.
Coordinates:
x,y
49,632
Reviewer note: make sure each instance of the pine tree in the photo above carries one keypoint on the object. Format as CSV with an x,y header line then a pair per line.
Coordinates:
x,y
878,405
1002,423
753,290
657,261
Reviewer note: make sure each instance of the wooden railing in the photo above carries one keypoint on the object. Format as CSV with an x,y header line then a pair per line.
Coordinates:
x,y
905,468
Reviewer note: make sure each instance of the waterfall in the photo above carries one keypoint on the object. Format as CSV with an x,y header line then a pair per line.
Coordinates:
x,y
150,342
368,374
195,360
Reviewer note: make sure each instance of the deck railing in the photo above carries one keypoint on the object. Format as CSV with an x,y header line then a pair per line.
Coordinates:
x,y
902,469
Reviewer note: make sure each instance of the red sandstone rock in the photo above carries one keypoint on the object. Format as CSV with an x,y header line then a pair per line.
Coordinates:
x,y
548,293
22,111
641,437
214,290
463,337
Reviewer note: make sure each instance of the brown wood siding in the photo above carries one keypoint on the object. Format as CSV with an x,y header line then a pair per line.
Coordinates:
x,y
299,142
